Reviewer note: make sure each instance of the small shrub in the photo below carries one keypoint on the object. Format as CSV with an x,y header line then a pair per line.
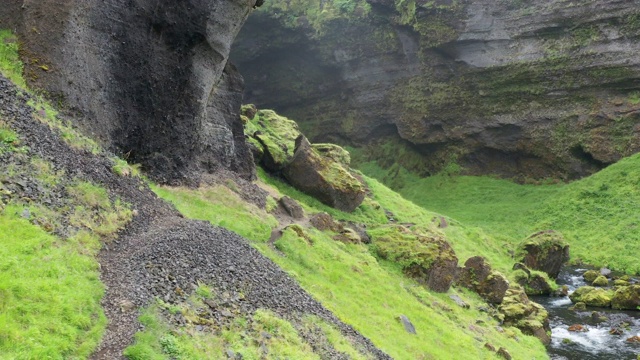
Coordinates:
x,y
123,168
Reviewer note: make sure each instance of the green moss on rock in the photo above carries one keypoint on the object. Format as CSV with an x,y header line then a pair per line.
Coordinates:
x,y
424,256
275,135
334,152
591,296
545,251
626,297
524,314
600,281
590,276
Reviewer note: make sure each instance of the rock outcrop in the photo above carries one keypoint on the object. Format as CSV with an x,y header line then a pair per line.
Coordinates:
x,y
534,283
150,79
478,276
426,257
521,89
626,297
525,314
545,251
322,178
320,170
591,296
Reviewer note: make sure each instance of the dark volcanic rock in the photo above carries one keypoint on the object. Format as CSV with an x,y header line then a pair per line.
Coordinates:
x,y
545,251
408,325
322,178
150,79
477,275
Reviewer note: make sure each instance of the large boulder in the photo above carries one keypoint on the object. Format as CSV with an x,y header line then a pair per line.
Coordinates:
x,y
477,275
592,296
545,251
323,178
533,282
426,257
526,315
275,134
148,78
626,297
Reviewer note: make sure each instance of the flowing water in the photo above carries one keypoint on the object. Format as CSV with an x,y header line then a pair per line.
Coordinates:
x,y
596,343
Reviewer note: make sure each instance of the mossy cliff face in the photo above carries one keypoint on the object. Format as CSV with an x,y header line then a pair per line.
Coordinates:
x,y
148,78
521,89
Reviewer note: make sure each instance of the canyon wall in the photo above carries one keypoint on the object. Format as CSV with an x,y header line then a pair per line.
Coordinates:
x,y
522,89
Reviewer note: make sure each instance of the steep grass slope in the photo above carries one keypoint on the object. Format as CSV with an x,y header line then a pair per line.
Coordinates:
x,y
359,288
62,198
598,215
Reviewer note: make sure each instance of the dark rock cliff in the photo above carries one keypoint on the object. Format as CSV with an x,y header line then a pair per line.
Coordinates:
x,y
149,78
526,89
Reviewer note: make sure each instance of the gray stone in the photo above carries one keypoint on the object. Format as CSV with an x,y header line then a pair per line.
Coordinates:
x,y
408,326
292,207
459,301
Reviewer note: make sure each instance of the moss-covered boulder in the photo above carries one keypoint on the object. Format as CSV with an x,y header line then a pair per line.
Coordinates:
x,y
423,255
626,297
478,276
545,251
323,178
621,282
525,314
590,276
533,282
538,284
591,296
334,152
600,281
321,170
274,136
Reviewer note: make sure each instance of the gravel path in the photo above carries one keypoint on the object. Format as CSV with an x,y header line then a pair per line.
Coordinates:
x,y
161,254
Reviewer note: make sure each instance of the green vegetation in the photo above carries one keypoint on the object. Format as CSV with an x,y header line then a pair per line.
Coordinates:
x,y
366,292
316,14
260,335
9,140
10,64
94,211
222,207
122,168
596,215
276,336
50,292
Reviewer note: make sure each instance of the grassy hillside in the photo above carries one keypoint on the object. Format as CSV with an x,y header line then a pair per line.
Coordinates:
x,y
598,215
362,290
50,289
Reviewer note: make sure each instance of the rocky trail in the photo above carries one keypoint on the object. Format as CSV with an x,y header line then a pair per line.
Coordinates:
x,y
162,255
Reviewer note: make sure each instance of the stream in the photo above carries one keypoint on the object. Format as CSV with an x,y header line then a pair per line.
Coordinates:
x,y
596,343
